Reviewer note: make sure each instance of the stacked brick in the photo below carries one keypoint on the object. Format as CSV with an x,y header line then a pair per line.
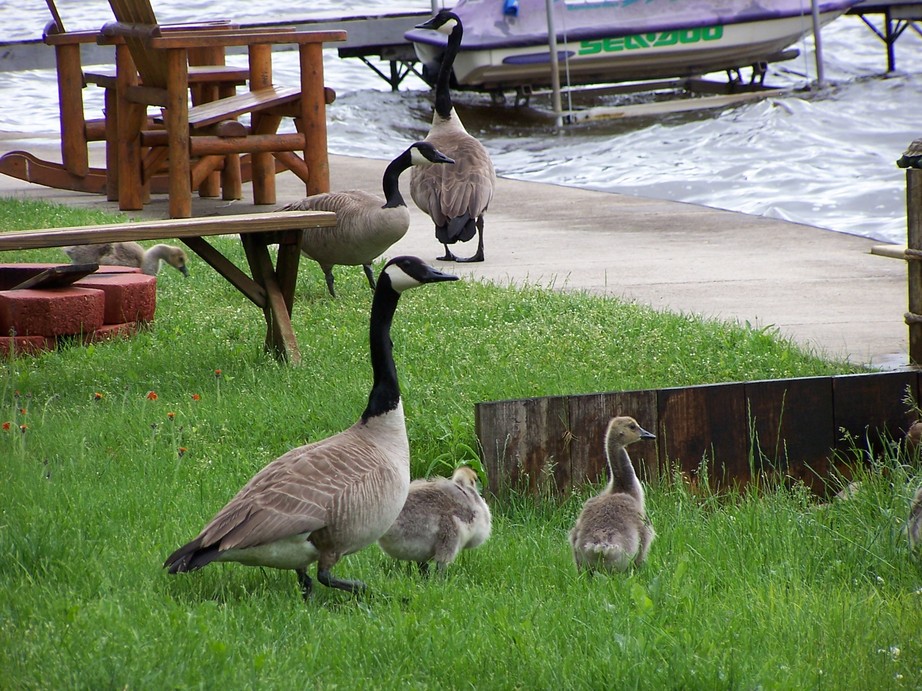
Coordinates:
x,y
113,301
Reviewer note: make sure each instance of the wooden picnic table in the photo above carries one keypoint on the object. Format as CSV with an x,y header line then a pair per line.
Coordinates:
x,y
269,286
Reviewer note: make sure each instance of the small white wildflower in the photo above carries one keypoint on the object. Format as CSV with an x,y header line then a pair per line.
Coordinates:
x,y
880,580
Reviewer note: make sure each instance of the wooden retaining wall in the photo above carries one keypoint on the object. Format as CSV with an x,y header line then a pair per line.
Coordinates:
x,y
795,426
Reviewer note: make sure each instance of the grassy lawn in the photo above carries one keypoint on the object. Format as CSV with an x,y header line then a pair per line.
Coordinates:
x,y
105,479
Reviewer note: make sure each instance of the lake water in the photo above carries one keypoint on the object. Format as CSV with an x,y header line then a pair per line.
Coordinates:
x,y
825,157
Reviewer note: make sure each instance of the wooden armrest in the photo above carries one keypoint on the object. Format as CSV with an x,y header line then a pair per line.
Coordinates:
x,y
52,37
188,35
246,38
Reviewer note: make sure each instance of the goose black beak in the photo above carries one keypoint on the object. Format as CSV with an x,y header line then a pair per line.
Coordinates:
x,y
435,276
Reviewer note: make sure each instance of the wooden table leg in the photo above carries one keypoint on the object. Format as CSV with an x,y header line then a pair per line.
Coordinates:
x,y
280,335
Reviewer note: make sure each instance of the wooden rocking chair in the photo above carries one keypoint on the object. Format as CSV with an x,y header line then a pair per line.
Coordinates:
x,y
208,77
152,69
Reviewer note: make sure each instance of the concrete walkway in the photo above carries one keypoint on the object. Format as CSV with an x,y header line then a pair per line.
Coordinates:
x,y
824,289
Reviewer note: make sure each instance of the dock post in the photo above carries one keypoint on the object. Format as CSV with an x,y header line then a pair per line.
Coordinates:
x,y
555,64
914,255
818,45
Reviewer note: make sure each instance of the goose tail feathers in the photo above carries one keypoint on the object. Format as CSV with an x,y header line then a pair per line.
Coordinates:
x,y
191,557
459,229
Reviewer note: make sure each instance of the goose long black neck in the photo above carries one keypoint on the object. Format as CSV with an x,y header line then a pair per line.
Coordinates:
x,y
392,180
443,104
621,475
385,391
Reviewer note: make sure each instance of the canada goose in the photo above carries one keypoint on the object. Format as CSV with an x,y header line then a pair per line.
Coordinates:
x,y
129,254
914,523
322,501
439,519
366,225
455,197
612,530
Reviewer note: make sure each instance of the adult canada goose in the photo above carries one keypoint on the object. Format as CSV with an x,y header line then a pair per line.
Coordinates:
x,y
455,197
439,519
612,530
129,254
322,501
914,523
366,225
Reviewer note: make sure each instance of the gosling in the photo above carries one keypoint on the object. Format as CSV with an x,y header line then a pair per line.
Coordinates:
x,y
130,254
439,519
612,531
914,523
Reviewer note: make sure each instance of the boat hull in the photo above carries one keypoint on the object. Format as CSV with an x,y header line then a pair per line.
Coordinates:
x,y
643,56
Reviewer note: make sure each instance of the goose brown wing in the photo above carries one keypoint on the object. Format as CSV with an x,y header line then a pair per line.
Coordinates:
x,y
294,494
446,192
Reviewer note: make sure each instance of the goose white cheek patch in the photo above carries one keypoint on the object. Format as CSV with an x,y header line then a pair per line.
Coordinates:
x,y
400,281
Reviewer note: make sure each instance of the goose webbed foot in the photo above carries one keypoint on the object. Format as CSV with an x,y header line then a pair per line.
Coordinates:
x,y
328,275
448,257
478,255
327,578
369,274
307,585
476,258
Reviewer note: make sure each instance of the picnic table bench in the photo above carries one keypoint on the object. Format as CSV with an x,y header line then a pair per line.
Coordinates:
x,y
270,287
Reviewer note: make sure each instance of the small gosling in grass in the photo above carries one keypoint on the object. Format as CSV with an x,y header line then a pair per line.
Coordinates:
x,y
439,519
612,531
914,523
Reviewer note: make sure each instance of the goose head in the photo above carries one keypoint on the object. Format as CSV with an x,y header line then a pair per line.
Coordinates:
x,y
422,153
405,272
444,22
624,430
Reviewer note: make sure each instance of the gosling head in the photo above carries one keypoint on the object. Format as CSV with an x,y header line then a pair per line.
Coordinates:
x,y
624,430
444,22
914,436
176,257
465,477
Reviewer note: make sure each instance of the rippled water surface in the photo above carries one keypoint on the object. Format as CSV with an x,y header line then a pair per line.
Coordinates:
x,y
820,156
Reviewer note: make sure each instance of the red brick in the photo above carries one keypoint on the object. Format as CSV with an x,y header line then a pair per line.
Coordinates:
x,y
107,331
130,297
25,345
57,312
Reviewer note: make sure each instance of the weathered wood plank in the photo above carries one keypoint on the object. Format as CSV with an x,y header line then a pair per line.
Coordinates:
x,y
166,228
589,416
792,428
705,423
871,408
527,443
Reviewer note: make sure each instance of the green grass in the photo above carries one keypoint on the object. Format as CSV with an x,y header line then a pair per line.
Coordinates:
x,y
743,590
